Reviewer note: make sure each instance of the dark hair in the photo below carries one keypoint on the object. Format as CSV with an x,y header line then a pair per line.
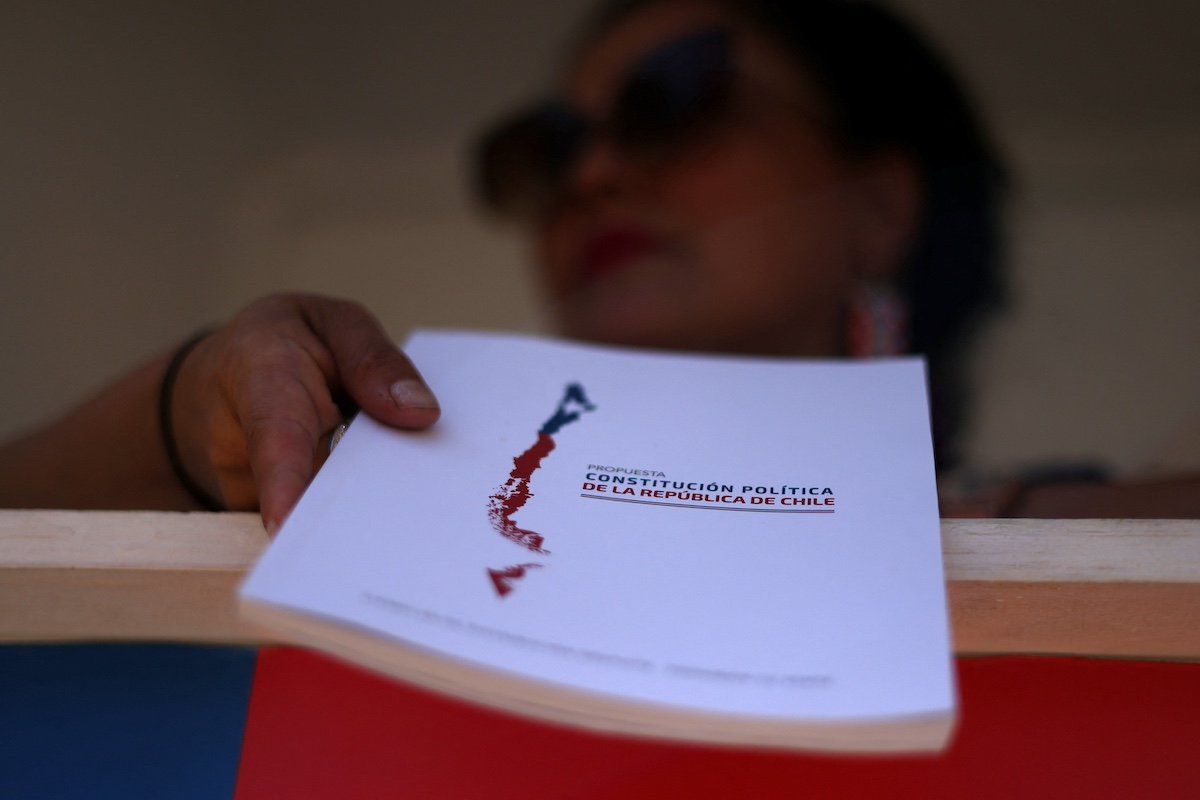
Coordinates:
x,y
888,88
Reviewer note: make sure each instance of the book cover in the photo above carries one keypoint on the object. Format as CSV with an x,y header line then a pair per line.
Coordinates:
x,y
718,549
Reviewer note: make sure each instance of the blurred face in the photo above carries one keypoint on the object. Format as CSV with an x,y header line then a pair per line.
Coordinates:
x,y
745,237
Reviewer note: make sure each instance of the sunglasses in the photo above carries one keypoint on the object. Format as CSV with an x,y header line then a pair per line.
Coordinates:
x,y
671,97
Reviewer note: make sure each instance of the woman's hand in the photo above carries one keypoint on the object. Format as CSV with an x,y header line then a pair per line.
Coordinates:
x,y
256,401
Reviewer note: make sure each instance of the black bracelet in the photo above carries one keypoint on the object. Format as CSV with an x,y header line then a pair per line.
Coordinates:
x,y
168,431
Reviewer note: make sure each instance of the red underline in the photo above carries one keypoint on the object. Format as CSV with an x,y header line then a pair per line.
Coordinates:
x,y
711,508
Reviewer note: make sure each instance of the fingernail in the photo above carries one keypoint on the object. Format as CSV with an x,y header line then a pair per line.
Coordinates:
x,y
272,528
411,393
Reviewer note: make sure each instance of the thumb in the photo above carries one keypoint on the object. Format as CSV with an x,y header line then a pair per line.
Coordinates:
x,y
371,368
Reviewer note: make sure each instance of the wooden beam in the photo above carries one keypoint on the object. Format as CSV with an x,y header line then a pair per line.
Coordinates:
x,y
119,575
1111,588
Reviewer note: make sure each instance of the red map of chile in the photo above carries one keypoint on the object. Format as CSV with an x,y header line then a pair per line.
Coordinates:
x,y
514,493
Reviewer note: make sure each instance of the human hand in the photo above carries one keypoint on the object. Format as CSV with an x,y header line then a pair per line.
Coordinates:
x,y
256,401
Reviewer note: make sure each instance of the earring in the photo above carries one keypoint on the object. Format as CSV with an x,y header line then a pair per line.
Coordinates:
x,y
877,322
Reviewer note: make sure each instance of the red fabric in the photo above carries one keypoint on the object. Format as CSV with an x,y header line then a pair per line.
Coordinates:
x,y
1030,728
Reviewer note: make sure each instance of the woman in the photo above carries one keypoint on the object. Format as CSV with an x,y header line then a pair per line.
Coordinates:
x,y
800,179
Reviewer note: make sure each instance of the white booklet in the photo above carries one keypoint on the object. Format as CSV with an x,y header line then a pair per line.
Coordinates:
x,y
714,549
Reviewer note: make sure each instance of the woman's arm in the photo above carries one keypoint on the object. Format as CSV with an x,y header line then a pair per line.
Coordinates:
x,y
1173,498
107,453
251,405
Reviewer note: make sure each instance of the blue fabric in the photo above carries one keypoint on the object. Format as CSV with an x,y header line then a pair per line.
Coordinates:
x,y
122,721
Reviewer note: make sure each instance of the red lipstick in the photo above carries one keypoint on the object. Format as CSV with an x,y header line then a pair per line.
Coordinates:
x,y
615,247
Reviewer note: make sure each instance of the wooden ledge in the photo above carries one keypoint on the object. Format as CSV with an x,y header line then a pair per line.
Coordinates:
x,y
1111,588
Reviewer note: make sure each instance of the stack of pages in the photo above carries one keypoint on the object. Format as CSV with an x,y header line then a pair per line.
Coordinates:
x,y
720,550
